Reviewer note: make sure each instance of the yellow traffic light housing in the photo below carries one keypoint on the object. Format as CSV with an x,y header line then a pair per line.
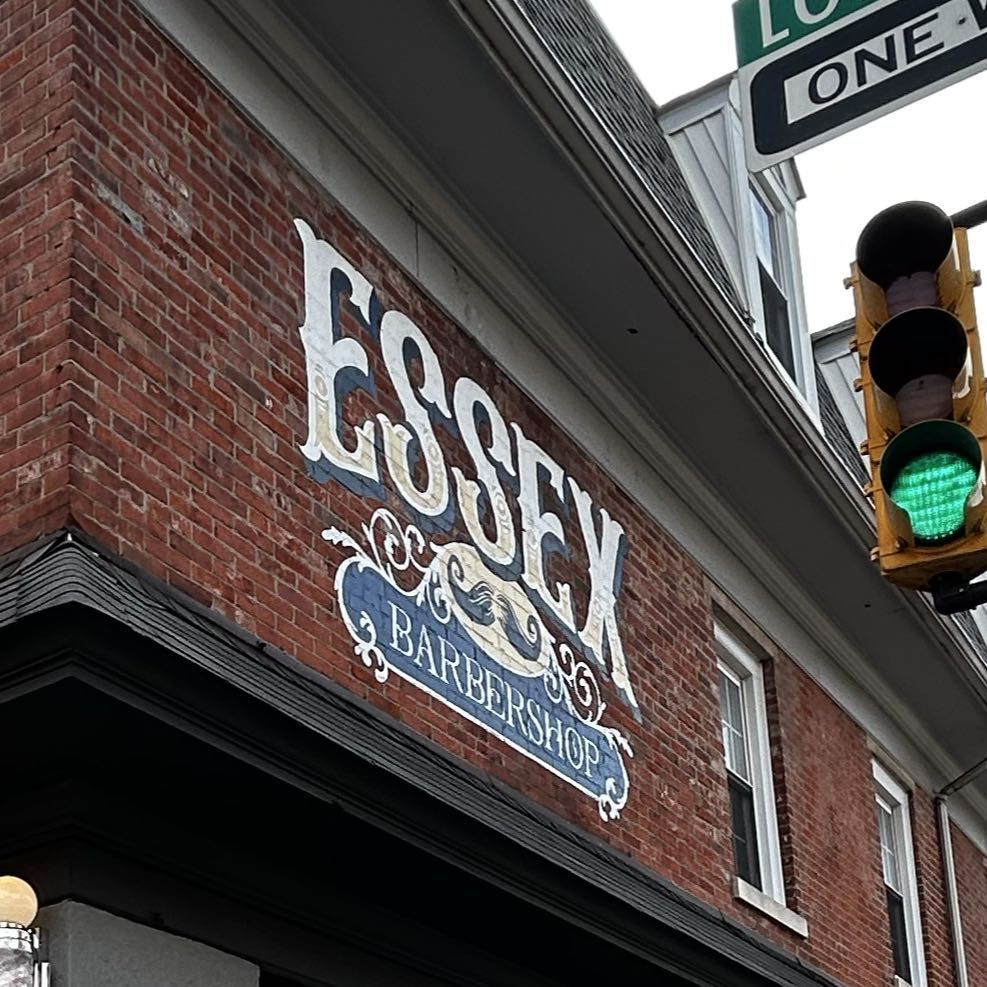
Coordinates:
x,y
923,389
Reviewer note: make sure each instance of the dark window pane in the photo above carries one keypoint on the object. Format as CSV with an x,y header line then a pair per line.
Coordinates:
x,y
776,326
744,831
899,934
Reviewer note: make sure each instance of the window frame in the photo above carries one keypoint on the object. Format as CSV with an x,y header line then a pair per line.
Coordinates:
x,y
771,189
780,275
895,798
744,667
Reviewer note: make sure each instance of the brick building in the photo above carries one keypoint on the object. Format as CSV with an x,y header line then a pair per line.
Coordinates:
x,y
415,570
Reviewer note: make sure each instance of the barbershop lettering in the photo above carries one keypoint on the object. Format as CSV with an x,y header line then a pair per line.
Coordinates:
x,y
540,725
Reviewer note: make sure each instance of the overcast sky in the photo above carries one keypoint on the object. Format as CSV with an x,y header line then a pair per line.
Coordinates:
x,y
935,149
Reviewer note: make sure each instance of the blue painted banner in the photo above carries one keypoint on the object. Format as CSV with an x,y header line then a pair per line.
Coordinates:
x,y
453,628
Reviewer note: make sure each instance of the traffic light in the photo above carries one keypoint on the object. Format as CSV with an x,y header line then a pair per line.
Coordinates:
x,y
923,388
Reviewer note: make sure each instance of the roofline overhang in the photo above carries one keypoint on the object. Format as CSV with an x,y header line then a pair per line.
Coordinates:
x,y
837,329
688,98
650,232
659,244
70,609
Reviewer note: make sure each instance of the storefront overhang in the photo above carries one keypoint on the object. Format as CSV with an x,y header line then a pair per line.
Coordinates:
x,y
175,771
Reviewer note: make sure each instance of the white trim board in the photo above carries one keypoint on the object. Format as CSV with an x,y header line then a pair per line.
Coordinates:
x,y
744,668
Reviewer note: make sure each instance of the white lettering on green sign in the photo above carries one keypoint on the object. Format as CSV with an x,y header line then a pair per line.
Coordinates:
x,y
764,26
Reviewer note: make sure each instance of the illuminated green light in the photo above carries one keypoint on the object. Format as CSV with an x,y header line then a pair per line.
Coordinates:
x,y
933,488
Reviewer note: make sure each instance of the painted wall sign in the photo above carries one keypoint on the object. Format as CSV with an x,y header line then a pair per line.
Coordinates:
x,y
476,622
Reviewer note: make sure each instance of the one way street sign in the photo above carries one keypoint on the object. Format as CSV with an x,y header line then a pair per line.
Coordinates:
x,y
849,70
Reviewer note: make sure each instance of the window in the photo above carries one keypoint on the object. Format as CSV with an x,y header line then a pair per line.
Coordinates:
x,y
747,753
898,869
774,300
736,744
745,745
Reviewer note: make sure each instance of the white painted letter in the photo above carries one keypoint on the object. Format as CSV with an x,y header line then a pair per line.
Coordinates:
x,y
395,330
537,524
400,629
806,16
466,396
768,34
601,617
327,355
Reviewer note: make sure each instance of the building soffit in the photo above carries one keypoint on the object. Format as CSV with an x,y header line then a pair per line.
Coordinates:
x,y
641,254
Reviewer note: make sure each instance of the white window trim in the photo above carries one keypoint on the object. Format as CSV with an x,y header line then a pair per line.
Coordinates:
x,y
896,795
772,192
780,913
739,661
770,196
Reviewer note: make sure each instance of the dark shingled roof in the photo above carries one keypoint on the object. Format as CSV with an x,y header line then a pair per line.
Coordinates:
x,y
835,430
600,73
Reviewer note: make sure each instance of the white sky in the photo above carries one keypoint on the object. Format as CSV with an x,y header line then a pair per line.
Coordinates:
x,y
934,149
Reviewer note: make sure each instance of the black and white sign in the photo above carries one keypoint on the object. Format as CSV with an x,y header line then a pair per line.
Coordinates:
x,y
860,68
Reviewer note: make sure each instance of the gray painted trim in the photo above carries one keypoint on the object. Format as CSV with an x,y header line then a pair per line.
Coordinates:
x,y
88,947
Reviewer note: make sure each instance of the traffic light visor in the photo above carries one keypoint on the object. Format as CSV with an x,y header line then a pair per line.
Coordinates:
x,y
918,342
905,239
930,471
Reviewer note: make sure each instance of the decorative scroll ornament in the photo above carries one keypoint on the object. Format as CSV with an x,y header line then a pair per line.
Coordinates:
x,y
437,616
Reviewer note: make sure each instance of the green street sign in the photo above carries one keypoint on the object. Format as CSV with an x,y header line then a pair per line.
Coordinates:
x,y
811,70
765,26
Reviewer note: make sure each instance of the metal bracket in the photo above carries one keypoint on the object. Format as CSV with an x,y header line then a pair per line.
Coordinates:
x,y
952,593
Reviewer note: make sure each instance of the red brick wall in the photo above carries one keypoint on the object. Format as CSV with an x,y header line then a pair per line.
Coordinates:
x,y
154,392
829,829
36,265
971,880
931,890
